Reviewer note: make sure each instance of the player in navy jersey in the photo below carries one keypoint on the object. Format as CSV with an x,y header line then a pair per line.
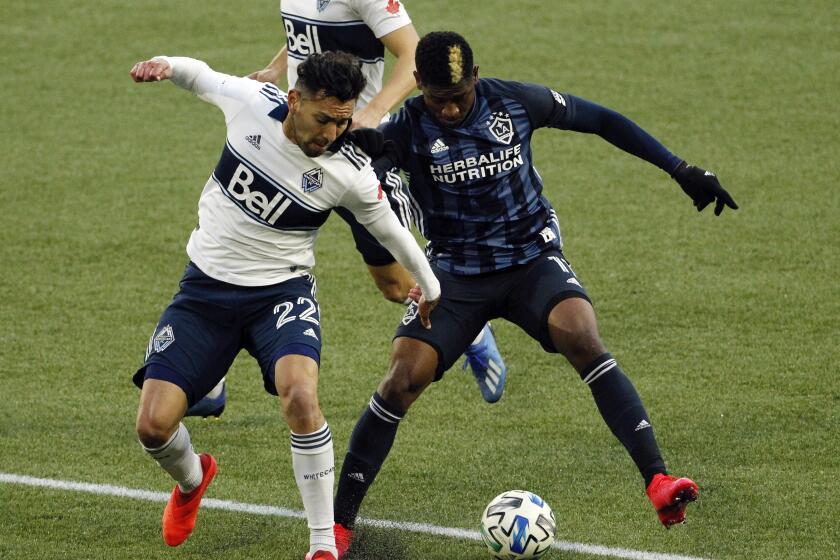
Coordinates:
x,y
366,29
495,245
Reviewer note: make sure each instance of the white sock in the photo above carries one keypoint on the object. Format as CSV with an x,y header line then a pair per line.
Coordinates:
x,y
479,337
177,457
217,390
314,465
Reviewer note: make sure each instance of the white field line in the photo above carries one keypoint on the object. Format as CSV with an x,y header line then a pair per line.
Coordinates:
x,y
256,509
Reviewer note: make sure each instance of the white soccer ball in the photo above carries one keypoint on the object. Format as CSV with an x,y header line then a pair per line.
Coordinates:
x,y
518,525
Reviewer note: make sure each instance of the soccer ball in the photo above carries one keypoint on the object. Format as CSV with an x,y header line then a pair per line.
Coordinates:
x,y
517,525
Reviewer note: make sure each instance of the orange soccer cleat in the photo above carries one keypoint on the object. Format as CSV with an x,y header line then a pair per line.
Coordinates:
x,y
670,496
342,539
182,509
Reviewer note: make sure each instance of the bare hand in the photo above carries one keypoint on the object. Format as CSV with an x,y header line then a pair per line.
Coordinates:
x,y
366,118
424,308
265,75
153,70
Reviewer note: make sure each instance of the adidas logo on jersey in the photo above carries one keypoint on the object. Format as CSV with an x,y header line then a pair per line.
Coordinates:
x,y
439,146
254,140
357,476
311,332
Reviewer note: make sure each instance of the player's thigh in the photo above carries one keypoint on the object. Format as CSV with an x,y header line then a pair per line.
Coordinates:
x,y
196,339
462,312
542,284
283,320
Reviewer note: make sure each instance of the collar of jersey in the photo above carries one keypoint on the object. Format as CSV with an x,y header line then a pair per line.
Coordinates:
x,y
279,113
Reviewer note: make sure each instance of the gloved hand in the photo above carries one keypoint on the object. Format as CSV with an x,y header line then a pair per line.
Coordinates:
x,y
388,160
370,140
703,187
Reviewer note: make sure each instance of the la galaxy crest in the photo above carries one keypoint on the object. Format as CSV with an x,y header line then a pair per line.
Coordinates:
x,y
312,180
501,126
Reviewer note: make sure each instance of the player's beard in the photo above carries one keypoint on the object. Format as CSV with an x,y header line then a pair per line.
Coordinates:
x,y
308,146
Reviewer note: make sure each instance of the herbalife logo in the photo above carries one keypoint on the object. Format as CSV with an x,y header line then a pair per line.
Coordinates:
x,y
642,425
439,146
254,140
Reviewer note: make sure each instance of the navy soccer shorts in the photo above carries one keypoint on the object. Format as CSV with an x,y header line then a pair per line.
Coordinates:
x,y
372,252
209,322
524,295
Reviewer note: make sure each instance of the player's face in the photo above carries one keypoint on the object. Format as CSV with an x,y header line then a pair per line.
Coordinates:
x,y
317,120
449,105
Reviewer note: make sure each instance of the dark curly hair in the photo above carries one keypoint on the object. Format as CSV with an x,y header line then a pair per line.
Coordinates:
x,y
443,58
336,74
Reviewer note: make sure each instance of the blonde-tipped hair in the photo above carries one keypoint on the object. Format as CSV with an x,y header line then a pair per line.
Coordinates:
x,y
456,64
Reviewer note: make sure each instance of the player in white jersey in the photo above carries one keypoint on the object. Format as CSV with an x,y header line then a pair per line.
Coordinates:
x,y
285,165
366,28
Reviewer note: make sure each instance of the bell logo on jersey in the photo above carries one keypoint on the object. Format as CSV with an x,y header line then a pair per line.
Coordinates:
x,y
393,7
304,43
255,201
312,180
502,127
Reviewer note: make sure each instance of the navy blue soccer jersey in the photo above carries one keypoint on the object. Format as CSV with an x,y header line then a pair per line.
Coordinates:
x,y
478,197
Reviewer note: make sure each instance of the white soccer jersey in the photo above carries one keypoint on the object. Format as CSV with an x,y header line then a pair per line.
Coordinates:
x,y
353,26
261,208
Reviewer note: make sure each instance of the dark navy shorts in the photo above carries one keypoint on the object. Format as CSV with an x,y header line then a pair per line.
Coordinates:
x,y
372,252
524,295
209,322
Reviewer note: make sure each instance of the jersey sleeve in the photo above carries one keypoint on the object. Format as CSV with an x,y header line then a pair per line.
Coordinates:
x,y
370,206
545,107
382,16
228,93
588,117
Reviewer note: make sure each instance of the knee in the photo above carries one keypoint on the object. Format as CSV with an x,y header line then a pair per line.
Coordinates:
x,y
574,332
404,385
152,432
299,401
581,348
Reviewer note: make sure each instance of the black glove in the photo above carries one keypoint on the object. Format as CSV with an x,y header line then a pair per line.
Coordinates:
x,y
370,140
703,187
387,160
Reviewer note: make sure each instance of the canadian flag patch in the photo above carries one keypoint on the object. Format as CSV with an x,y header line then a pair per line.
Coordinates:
x,y
393,7
379,194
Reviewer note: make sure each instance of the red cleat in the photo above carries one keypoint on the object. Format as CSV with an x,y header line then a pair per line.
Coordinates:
x,y
670,496
182,509
342,539
320,555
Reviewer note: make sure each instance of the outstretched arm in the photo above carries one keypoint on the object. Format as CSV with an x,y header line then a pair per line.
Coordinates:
x,y
700,185
401,43
229,93
547,107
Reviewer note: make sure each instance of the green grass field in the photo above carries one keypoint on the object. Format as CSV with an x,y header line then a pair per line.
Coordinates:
x,y
728,326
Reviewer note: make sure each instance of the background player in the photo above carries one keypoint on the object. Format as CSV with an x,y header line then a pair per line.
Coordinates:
x,y
366,28
248,285
495,245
